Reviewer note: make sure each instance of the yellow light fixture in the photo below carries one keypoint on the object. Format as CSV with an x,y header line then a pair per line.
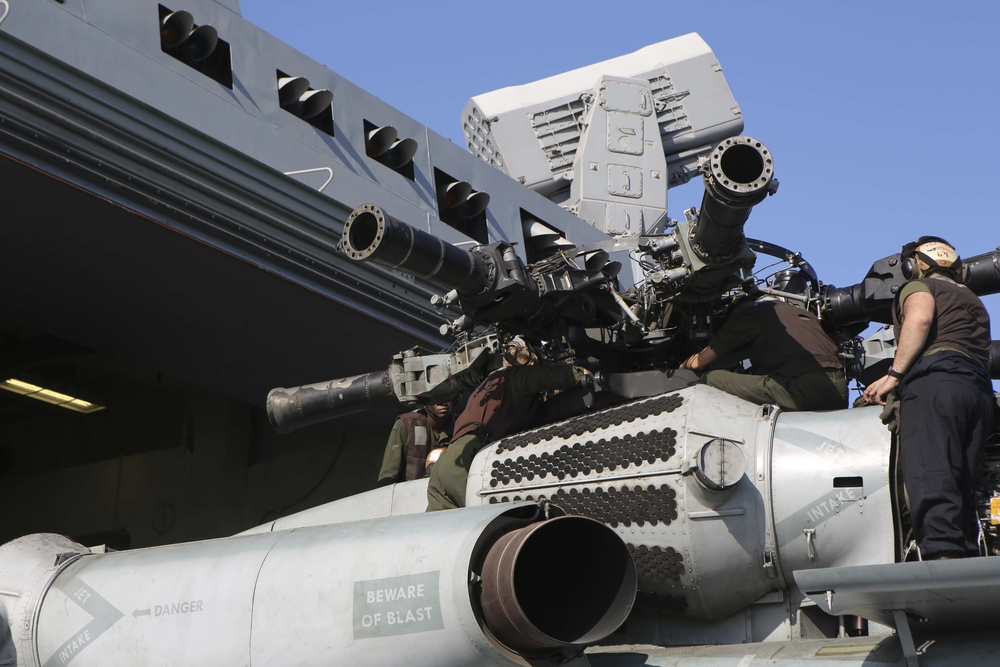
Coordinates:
x,y
49,396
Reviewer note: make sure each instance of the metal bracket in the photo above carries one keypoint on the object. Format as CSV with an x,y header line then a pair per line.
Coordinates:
x,y
64,558
810,534
905,638
769,559
327,170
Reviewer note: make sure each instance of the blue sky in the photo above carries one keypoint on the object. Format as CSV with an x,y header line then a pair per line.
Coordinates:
x,y
882,116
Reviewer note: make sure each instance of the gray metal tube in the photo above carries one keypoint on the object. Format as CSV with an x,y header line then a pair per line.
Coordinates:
x,y
983,273
292,408
871,300
518,599
740,174
370,235
357,593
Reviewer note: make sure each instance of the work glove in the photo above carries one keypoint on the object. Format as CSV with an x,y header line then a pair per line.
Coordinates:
x,y
890,413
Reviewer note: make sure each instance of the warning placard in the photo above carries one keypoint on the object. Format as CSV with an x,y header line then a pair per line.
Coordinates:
x,y
397,605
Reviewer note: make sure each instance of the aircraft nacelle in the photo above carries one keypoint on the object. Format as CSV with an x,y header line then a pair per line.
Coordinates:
x,y
723,505
492,583
718,500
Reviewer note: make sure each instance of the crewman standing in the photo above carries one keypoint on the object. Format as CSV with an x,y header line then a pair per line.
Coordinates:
x,y
413,436
940,375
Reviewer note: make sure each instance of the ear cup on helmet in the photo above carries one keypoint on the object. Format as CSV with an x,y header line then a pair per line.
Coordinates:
x,y
911,268
929,254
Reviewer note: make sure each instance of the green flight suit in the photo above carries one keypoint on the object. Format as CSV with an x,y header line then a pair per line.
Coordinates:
x,y
794,363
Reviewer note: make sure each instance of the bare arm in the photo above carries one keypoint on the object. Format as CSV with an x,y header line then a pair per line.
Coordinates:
x,y
700,360
918,315
738,333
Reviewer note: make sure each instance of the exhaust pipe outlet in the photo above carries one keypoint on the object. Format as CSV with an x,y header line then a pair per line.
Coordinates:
x,y
535,602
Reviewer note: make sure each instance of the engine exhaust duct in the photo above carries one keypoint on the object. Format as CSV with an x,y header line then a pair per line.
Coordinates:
x,y
323,595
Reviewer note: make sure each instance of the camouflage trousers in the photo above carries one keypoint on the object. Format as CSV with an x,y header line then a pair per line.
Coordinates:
x,y
823,389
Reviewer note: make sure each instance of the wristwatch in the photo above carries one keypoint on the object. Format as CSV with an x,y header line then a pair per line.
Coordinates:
x,y
893,373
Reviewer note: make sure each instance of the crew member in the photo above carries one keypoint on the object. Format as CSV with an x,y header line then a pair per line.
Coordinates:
x,y
413,436
940,375
503,403
794,364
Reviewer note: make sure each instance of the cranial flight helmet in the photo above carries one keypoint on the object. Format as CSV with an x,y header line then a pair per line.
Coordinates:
x,y
929,254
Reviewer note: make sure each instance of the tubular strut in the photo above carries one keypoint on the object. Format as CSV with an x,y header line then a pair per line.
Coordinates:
x,y
905,638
